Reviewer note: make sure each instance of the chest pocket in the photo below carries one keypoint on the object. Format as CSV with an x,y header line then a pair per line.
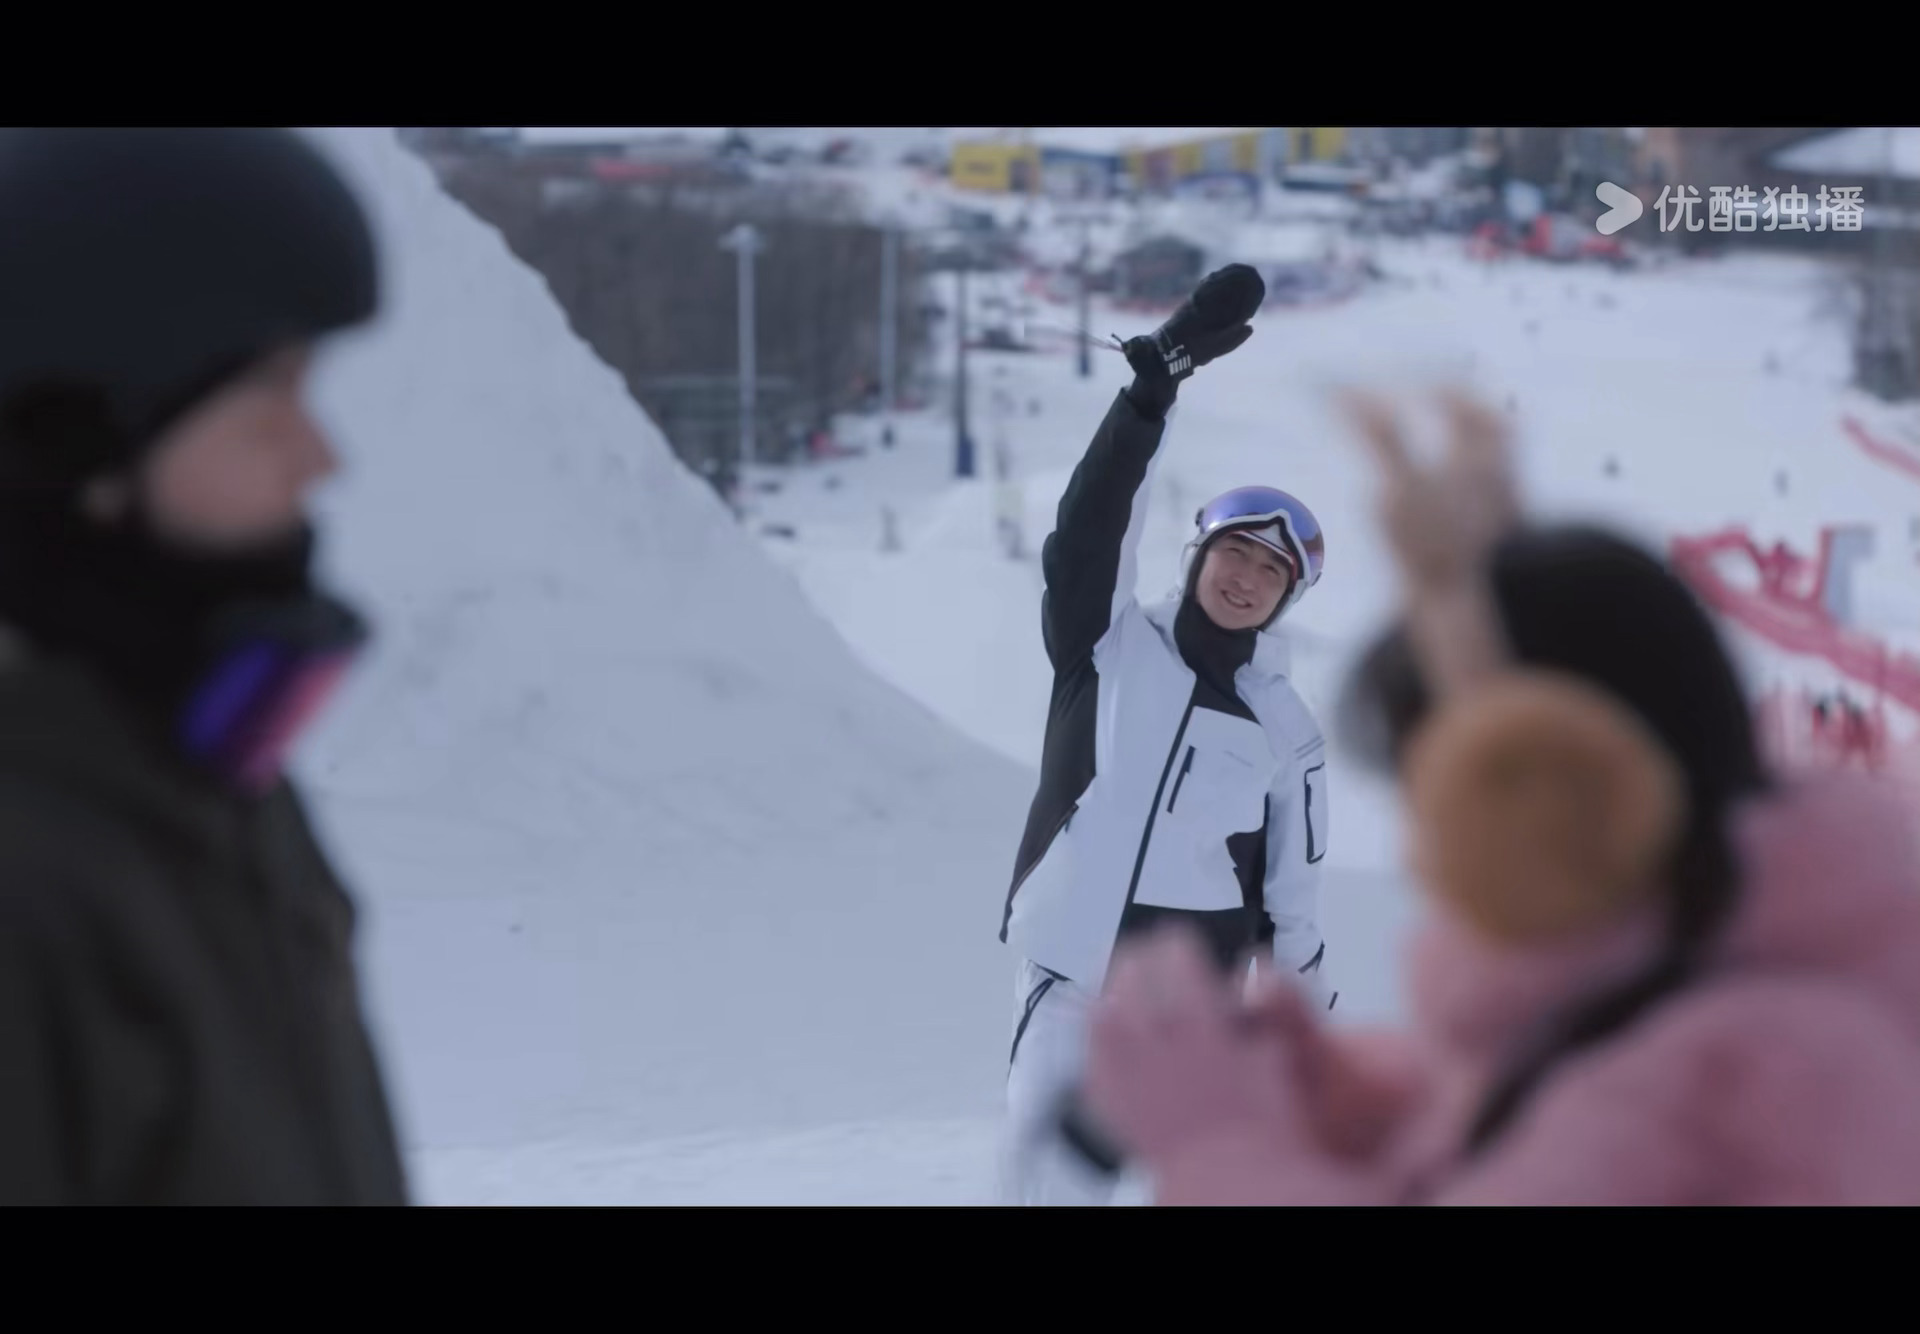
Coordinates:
x,y
1217,788
1222,777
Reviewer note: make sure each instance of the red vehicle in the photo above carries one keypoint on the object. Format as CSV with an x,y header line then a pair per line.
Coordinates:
x,y
1560,237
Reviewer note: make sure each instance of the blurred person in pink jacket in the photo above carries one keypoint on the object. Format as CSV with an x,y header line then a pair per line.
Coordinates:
x,y
1650,974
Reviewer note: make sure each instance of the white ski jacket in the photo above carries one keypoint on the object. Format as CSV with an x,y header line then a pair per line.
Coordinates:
x,y
1150,802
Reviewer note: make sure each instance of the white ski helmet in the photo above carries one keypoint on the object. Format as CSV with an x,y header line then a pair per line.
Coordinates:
x,y
1268,516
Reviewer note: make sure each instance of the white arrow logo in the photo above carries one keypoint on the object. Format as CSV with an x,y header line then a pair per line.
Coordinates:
x,y
1623,207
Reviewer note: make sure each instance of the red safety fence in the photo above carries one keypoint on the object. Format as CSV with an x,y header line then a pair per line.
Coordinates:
x,y
1899,457
1785,609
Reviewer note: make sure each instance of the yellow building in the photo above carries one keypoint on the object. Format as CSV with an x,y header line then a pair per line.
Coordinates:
x,y
996,167
1318,143
1260,151
1147,158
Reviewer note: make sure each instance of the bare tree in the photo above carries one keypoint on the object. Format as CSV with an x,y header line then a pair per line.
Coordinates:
x,y
643,280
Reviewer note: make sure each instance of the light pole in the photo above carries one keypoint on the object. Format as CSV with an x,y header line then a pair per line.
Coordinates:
x,y
1086,262
889,311
962,441
956,257
744,240
1084,269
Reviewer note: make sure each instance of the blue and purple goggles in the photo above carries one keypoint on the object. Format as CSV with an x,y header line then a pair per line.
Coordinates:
x,y
1253,507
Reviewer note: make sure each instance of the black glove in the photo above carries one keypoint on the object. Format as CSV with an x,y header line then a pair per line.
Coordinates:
x,y
1209,324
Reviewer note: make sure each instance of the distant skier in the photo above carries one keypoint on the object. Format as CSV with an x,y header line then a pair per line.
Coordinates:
x,y
1182,776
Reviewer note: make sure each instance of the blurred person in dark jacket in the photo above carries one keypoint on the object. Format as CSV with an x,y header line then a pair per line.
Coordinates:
x,y
180,1015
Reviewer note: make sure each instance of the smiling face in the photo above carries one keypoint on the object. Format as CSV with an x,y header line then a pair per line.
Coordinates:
x,y
1241,582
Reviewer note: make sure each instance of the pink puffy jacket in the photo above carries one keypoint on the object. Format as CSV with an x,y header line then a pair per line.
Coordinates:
x,y
1789,1074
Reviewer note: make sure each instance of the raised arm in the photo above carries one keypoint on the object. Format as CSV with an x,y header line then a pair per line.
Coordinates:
x,y
1088,560
1441,523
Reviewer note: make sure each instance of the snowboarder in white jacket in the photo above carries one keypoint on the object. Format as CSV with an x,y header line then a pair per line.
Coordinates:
x,y
1182,777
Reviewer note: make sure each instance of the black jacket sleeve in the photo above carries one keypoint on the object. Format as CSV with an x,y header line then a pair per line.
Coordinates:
x,y
1088,559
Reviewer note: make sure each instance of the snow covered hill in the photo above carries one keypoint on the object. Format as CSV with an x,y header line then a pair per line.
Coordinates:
x,y
643,850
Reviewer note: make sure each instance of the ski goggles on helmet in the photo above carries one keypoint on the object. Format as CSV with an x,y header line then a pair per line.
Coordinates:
x,y
1247,507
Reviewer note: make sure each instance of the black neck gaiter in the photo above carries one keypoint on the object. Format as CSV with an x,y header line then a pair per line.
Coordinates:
x,y
1214,654
160,623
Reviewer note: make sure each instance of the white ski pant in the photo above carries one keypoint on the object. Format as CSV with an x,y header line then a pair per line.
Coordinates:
x,y
1047,1055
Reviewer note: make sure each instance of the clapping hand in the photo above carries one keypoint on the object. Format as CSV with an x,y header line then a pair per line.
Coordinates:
x,y
1442,519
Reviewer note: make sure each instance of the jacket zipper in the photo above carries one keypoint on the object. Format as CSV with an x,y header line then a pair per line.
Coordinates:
x,y
1140,858
1185,766
1309,819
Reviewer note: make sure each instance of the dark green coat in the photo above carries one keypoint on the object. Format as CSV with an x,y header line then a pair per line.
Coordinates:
x,y
179,1011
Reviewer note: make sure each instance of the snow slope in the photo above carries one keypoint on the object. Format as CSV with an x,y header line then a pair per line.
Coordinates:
x,y
643,850
911,1162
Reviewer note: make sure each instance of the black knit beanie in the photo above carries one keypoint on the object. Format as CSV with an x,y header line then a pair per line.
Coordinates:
x,y
140,268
